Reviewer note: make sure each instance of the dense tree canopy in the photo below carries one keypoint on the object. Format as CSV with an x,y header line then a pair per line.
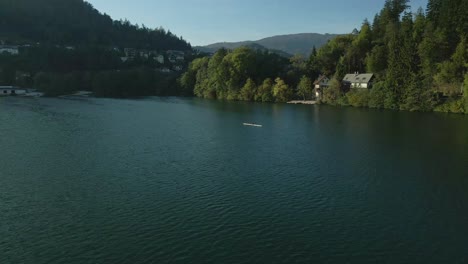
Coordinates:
x,y
420,61
234,75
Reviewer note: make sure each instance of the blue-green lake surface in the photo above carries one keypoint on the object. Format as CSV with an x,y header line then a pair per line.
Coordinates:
x,y
183,181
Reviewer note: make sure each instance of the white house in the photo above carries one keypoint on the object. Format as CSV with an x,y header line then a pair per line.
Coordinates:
x,y
172,59
11,90
159,58
13,50
144,54
180,58
165,70
356,80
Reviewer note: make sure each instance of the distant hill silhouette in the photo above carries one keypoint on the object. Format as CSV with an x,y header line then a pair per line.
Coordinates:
x,y
256,46
290,44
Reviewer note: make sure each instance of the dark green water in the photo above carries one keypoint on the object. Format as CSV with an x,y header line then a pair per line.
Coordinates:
x,y
182,181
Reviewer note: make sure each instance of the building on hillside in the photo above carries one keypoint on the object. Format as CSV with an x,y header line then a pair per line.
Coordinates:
x,y
172,59
176,52
130,52
180,58
144,54
11,90
176,56
164,70
358,81
13,50
159,59
321,84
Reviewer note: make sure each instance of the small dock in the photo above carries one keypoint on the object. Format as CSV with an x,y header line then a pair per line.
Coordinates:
x,y
79,95
303,102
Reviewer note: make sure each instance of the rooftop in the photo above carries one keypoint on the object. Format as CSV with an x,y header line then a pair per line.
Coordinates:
x,y
358,78
320,78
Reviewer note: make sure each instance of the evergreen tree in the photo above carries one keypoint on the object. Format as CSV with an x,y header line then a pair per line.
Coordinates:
x,y
433,10
377,60
431,51
419,26
409,60
342,69
395,72
465,93
415,98
377,96
451,73
314,51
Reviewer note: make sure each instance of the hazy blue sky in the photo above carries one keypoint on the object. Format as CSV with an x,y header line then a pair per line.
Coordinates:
x,y
207,21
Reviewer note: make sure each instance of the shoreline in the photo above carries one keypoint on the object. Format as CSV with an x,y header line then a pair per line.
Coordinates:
x,y
87,94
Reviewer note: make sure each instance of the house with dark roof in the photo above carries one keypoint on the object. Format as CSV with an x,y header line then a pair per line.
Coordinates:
x,y
320,84
358,81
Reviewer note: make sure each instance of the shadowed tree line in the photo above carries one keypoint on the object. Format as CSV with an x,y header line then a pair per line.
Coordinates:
x,y
77,23
67,45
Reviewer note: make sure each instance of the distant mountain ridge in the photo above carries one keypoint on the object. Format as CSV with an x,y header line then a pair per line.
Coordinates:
x,y
292,44
256,46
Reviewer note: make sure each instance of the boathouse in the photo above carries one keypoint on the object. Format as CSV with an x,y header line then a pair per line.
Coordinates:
x,y
11,90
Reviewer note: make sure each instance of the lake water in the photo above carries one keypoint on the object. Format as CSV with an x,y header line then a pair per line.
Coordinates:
x,y
183,181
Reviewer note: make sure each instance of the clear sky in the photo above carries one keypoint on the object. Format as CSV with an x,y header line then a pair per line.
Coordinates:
x,y
204,22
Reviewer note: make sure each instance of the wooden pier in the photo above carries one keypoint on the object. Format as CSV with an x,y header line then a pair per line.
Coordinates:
x,y
303,102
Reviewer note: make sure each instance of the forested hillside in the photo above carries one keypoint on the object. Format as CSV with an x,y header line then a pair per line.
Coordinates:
x,y
61,46
420,61
76,22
